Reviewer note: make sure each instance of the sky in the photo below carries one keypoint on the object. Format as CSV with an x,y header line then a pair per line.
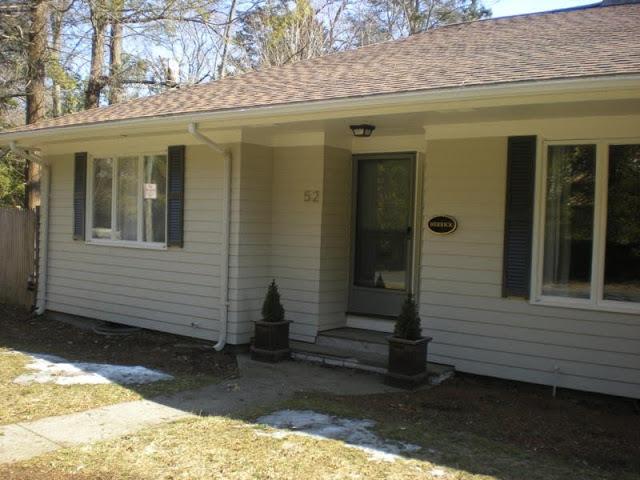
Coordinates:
x,y
503,8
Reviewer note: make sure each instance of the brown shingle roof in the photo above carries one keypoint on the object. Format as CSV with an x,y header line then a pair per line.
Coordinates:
x,y
586,42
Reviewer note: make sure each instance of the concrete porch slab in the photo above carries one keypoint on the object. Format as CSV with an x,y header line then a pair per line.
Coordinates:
x,y
358,349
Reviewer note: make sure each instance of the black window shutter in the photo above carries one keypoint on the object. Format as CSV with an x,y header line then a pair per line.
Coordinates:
x,y
175,197
518,232
79,195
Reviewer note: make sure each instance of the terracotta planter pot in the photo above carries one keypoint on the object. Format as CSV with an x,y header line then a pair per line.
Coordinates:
x,y
271,341
407,366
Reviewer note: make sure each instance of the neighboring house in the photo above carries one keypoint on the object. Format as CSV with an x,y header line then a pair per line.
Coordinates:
x,y
526,130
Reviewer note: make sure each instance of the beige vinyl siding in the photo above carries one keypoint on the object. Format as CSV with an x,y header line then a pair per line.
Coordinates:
x,y
174,290
296,233
335,239
249,272
460,295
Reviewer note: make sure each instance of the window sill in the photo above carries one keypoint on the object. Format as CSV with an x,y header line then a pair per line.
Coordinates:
x,y
605,307
127,244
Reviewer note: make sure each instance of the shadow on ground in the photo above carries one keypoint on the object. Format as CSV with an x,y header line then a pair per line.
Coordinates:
x,y
174,355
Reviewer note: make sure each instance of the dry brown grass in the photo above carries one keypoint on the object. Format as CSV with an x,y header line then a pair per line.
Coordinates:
x,y
455,445
219,447
22,403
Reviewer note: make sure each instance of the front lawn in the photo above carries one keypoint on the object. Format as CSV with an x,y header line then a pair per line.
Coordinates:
x,y
468,429
190,366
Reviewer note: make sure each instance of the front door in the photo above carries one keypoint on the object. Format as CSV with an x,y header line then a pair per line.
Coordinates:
x,y
382,233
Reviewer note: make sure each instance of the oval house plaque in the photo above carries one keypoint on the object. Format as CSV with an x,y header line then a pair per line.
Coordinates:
x,y
442,224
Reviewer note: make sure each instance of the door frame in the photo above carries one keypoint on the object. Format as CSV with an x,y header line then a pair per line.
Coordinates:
x,y
412,275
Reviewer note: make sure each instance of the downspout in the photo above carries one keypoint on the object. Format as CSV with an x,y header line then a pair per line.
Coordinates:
x,y
45,182
226,219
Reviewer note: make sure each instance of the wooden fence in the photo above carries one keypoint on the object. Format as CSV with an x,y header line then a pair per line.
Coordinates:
x,y
17,256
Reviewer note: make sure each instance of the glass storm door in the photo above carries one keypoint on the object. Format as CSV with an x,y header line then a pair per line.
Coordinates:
x,y
383,233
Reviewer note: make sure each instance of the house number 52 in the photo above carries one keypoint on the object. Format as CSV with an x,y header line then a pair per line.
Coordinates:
x,y
312,196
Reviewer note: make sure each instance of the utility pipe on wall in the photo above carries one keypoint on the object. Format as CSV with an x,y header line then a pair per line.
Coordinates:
x,y
45,188
45,182
226,219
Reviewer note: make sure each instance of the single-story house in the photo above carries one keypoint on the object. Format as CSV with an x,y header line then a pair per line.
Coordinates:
x,y
500,186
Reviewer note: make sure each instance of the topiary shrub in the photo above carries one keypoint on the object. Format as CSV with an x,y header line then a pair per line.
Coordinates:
x,y
408,322
272,309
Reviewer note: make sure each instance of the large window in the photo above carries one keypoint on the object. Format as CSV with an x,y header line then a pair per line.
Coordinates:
x,y
591,225
128,199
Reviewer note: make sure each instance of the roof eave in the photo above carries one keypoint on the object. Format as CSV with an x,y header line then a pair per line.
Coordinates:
x,y
425,97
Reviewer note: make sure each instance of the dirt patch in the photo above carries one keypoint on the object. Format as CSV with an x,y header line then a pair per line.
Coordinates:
x,y
171,353
590,429
190,364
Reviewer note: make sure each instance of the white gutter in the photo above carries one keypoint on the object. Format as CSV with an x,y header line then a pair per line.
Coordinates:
x,y
226,219
45,182
462,93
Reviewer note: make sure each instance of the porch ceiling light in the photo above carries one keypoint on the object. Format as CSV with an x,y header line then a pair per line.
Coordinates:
x,y
363,130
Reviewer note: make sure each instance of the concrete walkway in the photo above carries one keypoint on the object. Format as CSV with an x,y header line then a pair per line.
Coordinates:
x,y
259,384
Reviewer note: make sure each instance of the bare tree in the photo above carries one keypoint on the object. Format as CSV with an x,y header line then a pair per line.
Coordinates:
x,y
14,38
58,11
276,34
116,92
95,84
389,19
37,59
36,88
226,39
126,48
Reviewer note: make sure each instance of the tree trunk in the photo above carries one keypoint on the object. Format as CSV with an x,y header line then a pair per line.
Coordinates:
x,y
95,84
56,45
37,53
116,92
36,109
226,40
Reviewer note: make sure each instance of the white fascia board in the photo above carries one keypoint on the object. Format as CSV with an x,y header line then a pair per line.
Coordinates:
x,y
502,94
566,128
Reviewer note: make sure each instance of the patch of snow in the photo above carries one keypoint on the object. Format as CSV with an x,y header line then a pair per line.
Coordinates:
x,y
355,433
54,369
437,380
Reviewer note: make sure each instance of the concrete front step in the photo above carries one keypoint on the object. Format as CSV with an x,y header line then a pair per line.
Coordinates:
x,y
366,360
355,340
377,324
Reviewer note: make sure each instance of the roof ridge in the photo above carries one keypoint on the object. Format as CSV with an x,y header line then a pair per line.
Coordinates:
x,y
351,51
580,42
598,4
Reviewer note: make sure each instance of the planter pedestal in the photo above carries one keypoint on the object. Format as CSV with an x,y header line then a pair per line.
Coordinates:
x,y
407,366
271,341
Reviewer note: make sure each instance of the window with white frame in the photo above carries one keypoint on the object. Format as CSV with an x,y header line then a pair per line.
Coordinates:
x,y
591,224
128,197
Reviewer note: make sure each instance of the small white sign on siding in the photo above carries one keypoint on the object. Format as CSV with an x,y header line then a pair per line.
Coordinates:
x,y
150,191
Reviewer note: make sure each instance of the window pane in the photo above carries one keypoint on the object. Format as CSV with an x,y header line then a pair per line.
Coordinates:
x,y
622,255
127,203
102,191
568,230
155,198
